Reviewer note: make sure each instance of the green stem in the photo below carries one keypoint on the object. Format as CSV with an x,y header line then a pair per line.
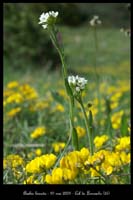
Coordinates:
x,y
87,127
54,40
53,37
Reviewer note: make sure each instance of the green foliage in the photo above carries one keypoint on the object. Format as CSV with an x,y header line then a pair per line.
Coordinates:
x,y
27,45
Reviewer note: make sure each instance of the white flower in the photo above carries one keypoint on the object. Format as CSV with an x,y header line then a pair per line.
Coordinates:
x,y
48,18
95,21
72,80
78,89
77,83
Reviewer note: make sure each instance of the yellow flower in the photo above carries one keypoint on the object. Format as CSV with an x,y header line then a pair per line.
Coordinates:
x,y
80,131
116,119
70,161
68,174
58,146
33,166
84,154
13,84
15,98
56,177
94,111
13,161
28,92
48,179
41,163
100,140
114,104
123,143
4,103
38,152
116,96
94,172
36,182
125,158
108,169
60,175
114,159
38,132
59,108
47,160
74,161
7,93
13,112
62,93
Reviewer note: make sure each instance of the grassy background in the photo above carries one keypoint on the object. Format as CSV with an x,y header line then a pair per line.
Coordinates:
x,y
113,53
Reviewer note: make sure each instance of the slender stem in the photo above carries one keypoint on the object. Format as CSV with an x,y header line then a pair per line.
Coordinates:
x,y
87,127
64,73
54,40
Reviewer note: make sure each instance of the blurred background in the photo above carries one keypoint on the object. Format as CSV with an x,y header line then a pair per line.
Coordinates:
x,y
28,47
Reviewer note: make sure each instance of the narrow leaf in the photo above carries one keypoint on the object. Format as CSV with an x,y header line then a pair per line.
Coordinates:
x,y
75,139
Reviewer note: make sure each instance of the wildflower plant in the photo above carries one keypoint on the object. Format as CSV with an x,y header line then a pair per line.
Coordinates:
x,y
73,85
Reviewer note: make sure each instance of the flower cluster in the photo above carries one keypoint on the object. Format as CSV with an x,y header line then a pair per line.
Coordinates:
x,y
95,21
58,146
13,161
100,140
48,19
123,143
69,167
77,83
40,163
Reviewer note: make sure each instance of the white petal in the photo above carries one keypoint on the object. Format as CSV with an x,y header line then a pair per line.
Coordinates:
x,y
44,26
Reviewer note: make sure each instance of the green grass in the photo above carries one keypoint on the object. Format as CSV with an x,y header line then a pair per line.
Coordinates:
x,y
114,49
79,46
